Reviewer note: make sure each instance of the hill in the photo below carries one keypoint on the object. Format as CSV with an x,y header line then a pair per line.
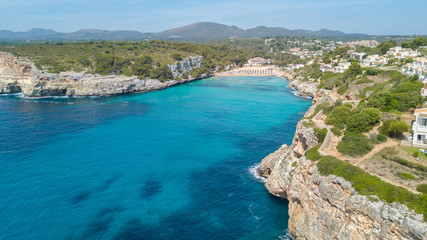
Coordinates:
x,y
195,31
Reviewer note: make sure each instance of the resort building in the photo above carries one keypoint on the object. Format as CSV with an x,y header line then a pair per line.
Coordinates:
x,y
258,61
419,127
399,53
341,67
356,55
374,60
418,66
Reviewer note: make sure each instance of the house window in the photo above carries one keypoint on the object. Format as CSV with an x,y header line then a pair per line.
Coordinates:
x,y
423,122
420,138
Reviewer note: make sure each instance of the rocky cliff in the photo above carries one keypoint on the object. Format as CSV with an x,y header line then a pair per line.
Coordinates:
x,y
327,207
17,76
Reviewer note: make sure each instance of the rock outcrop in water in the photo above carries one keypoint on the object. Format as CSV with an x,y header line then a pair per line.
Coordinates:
x,y
17,77
327,207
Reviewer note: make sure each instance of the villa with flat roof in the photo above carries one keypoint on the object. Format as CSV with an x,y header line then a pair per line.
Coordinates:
x,y
419,127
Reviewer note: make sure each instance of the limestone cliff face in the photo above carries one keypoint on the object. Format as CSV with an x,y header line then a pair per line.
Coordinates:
x,y
16,77
327,207
187,65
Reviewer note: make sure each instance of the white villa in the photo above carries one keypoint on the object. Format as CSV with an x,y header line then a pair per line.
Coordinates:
x,y
419,127
374,60
418,66
258,61
399,53
356,55
341,67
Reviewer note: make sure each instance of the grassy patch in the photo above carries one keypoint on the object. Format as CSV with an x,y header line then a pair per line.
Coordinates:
x,y
366,184
414,150
363,81
404,162
422,188
320,134
406,176
354,145
313,153
308,123
336,131
381,137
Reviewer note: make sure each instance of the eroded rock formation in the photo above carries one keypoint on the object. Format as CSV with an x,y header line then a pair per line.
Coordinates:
x,y
16,77
327,207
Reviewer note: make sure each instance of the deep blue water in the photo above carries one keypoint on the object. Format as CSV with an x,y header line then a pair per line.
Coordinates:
x,y
172,164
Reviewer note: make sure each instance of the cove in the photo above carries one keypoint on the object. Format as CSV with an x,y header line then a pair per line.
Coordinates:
x,y
172,164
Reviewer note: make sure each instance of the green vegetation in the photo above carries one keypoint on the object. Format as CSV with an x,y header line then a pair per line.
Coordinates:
x,y
422,188
406,176
338,116
415,43
390,155
313,153
381,138
143,59
394,128
336,131
414,151
364,120
366,184
400,93
325,106
354,145
320,134
385,46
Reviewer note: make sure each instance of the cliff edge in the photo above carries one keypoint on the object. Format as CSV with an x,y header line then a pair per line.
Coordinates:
x,y
328,207
21,77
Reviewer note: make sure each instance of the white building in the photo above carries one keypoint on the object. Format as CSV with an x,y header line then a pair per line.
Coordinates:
x,y
374,60
419,127
418,66
356,55
341,67
399,53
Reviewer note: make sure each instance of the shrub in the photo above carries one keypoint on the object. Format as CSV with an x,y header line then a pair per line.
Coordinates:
x,y
385,127
366,184
363,121
320,134
406,176
397,128
422,188
381,138
371,71
364,80
336,131
338,116
313,153
354,145
416,154
405,162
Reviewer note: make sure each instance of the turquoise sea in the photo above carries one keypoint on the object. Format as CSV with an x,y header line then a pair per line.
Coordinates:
x,y
172,164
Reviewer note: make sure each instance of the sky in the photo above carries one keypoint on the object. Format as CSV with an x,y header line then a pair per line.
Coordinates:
x,y
378,17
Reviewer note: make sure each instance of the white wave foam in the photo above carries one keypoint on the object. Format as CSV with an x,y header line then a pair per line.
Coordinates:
x,y
285,236
254,171
296,93
12,94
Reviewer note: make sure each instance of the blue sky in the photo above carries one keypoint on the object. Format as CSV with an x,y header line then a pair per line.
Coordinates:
x,y
350,16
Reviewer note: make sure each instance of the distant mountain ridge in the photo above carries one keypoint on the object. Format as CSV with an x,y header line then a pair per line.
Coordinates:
x,y
195,31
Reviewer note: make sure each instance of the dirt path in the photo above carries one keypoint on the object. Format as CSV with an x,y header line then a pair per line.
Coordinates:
x,y
389,143
326,149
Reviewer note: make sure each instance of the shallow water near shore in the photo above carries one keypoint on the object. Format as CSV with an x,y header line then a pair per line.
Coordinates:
x,y
172,164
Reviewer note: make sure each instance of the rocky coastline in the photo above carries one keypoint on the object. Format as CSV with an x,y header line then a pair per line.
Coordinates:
x,y
328,207
21,77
